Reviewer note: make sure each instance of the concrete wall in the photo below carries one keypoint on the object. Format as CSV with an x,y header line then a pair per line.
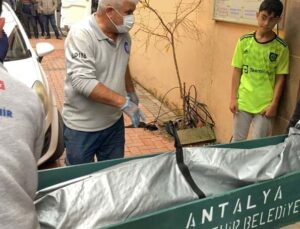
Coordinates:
x,y
205,63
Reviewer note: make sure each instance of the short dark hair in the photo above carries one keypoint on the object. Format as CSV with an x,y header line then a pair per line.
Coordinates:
x,y
0,7
272,6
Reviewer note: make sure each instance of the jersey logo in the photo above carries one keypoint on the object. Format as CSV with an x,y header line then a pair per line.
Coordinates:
x,y
6,113
2,86
245,69
79,55
126,47
273,56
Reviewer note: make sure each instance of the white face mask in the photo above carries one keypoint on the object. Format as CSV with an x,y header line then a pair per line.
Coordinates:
x,y
128,22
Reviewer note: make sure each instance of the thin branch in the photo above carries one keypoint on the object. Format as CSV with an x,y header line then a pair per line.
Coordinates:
x,y
178,7
187,14
147,31
168,31
157,15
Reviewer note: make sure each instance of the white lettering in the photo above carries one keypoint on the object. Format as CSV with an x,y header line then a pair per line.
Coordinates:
x,y
249,206
284,208
296,206
238,206
278,212
247,222
222,206
270,215
254,220
261,221
290,207
229,225
278,194
206,215
266,195
236,224
191,222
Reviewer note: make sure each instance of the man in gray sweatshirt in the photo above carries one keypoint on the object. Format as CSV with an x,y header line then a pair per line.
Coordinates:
x,y
21,141
98,86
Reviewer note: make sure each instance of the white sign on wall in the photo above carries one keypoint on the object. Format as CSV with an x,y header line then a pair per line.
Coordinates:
x,y
72,11
237,11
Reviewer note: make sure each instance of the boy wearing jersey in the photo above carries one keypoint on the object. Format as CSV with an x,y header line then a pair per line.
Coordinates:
x,y
260,61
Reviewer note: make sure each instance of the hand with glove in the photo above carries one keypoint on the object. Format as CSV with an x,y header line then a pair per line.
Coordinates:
x,y
133,97
133,112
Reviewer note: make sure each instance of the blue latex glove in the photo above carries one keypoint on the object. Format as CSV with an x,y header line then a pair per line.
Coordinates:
x,y
133,97
133,112
3,46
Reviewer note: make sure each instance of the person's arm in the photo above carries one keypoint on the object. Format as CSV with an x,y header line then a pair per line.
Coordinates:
x,y
80,64
40,7
128,81
130,88
54,6
235,83
272,109
103,94
237,63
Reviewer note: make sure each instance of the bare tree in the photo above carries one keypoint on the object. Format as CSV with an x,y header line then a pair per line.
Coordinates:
x,y
156,26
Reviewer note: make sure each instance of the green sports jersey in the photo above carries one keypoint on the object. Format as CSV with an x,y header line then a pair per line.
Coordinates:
x,y
260,63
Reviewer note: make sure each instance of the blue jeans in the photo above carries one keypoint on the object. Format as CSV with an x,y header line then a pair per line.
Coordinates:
x,y
82,147
39,20
28,20
50,18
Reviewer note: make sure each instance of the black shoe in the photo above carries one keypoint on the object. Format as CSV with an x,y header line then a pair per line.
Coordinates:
x,y
47,37
59,38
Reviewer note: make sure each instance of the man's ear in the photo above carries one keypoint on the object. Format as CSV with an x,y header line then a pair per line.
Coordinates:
x,y
109,10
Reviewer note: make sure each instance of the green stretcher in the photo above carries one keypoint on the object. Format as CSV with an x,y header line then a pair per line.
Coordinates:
x,y
270,204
